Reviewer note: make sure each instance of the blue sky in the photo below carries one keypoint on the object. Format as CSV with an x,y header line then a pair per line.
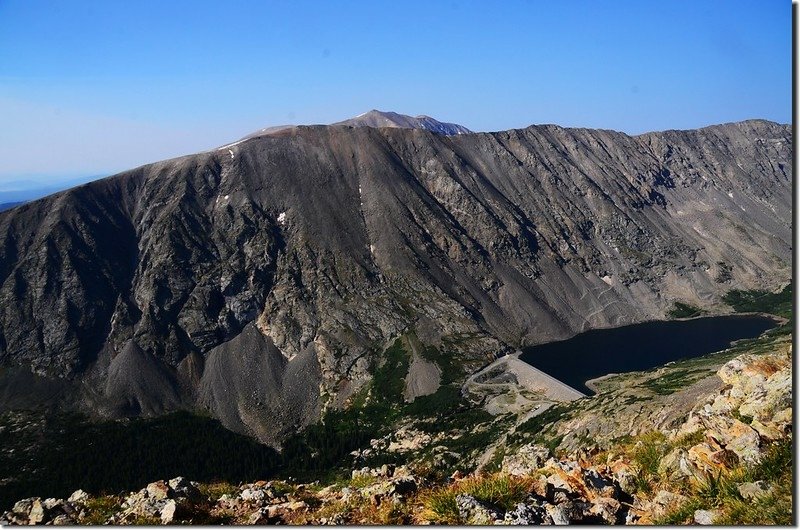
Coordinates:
x,y
95,87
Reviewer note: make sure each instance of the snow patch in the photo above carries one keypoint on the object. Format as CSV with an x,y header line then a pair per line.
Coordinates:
x,y
608,279
226,197
231,152
227,146
730,194
282,218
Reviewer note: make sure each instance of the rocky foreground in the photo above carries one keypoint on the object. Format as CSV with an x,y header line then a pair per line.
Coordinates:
x,y
729,462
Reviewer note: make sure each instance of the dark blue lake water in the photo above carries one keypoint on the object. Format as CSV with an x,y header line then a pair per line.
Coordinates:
x,y
639,346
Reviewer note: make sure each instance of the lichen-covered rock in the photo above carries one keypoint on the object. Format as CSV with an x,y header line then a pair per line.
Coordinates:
x,y
531,512
754,490
525,460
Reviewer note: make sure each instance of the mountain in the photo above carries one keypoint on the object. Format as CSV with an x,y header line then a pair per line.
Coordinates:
x,y
266,281
23,190
9,205
377,118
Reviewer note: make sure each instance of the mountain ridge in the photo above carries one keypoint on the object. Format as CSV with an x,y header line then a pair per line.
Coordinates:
x,y
306,253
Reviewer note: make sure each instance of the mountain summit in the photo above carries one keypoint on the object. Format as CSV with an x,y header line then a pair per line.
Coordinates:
x,y
377,118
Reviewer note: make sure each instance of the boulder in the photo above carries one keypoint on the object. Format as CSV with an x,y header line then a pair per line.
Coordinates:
x,y
38,513
255,496
526,460
607,509
473,512
559,514
624,474
169,511
24,506
78,496
531,513
183,488
158,490
664,501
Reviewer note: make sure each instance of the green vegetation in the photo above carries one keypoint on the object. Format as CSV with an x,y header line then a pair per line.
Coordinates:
x,y
388,379
99,509
51,455
322,451
215,490
674,381
444,400
761,301
498,490
647,454
682,310
721,492
539,429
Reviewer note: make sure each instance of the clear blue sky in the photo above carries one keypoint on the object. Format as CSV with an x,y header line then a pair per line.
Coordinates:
x,y
94,87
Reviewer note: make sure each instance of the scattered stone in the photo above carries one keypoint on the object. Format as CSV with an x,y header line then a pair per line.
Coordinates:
x,y
254,496
705,517
158,490
754,490
296,506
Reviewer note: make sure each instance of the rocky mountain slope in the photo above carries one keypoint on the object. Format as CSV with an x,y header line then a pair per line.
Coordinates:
x,y
264,281
377,118
725,460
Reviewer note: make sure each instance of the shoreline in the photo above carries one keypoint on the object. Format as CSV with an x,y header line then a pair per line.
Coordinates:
x,y
592,384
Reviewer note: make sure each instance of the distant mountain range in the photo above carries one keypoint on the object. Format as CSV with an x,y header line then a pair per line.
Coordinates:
x,y
263,281
18,192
